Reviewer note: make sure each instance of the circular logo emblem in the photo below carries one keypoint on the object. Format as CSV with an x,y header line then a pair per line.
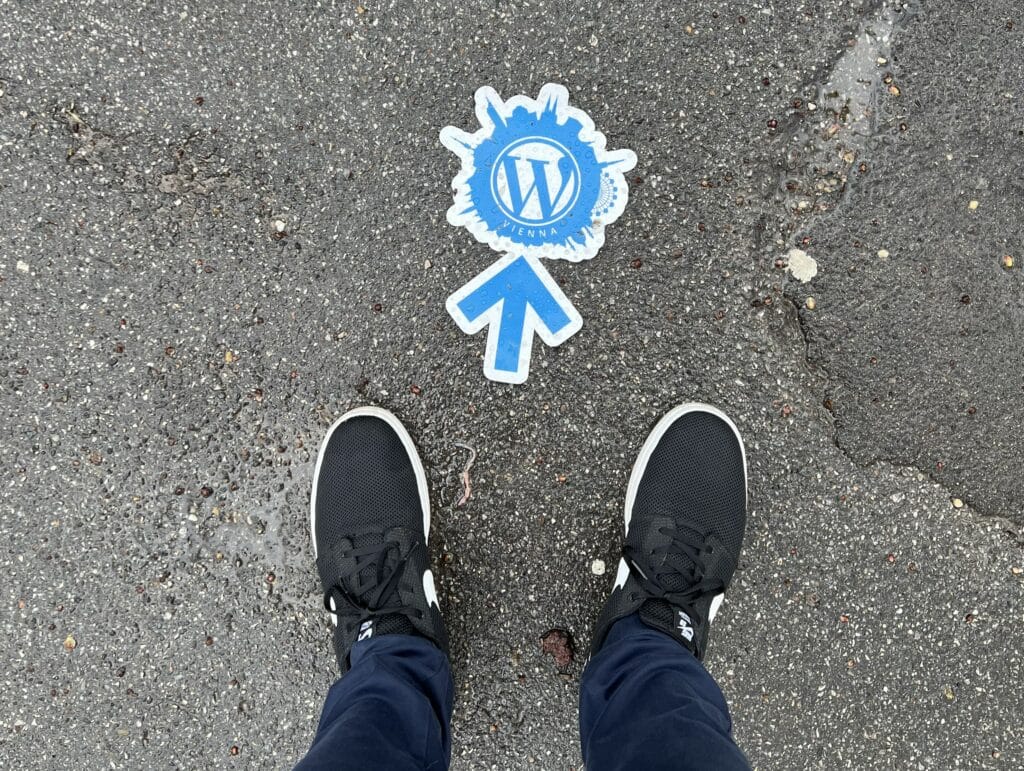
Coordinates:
x,y
535,181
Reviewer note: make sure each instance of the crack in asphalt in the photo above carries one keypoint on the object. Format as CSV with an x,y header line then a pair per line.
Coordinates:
x,y
823,142
831,128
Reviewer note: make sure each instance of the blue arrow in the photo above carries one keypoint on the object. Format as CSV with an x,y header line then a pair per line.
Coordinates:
x,y
515,297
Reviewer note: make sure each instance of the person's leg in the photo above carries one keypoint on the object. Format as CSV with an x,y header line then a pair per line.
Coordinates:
x,y
391,710
646,700
370,517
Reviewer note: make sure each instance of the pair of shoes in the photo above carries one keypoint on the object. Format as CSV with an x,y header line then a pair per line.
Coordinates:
x,y
370,517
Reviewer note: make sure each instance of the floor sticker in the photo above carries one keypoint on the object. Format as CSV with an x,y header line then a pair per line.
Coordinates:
x,y
536,183
515,297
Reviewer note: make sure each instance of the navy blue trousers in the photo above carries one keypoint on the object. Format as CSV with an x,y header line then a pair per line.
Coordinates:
x,y
645,703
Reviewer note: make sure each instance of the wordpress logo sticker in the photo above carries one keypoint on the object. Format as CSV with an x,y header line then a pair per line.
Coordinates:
x,y
536,178
536,183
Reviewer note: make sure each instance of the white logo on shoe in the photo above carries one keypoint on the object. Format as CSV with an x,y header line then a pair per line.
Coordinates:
x,y
429,590
716,603
685,626
365,630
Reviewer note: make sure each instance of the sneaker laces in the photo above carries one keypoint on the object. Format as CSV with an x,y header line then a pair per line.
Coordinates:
x,y
675,571
370,586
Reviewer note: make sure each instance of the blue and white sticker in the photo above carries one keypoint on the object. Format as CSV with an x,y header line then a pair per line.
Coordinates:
x,y
536,179
536,182
516,297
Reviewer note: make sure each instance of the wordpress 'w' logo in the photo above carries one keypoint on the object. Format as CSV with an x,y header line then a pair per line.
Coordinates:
x,y
535,181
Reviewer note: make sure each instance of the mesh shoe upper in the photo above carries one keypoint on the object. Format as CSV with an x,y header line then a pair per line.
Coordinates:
x,y
685,519
370,519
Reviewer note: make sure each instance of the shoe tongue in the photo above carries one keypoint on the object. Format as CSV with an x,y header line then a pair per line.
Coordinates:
x,y
673,621
369,569
389,623
648,531
393,623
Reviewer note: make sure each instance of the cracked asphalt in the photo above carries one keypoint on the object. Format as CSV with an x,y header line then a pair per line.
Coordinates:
x,y
224,225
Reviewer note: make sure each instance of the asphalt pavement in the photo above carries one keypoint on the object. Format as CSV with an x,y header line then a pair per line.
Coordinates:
x,y
224,225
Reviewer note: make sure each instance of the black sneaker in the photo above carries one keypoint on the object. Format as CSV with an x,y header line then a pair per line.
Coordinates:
x,y
370,516
686,510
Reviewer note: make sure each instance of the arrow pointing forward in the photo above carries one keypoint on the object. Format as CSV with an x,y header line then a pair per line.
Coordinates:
x,y
515,297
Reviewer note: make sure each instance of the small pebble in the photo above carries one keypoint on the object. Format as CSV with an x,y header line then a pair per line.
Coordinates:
x,y
801,265
597,567
279,226
70,643
972,205
957,503
428,264
810,303
883,254
22,266
1007,261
